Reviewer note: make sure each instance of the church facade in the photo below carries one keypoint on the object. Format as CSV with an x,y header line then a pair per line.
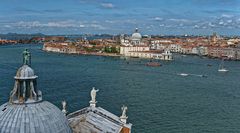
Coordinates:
x,y
134,47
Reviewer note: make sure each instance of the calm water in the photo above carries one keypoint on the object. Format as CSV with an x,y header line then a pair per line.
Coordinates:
x,y
157,98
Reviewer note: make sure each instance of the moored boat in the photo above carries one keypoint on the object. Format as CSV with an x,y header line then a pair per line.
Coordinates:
x,y
153,64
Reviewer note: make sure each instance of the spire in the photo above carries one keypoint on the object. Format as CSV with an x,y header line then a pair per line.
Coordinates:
x,y
25,87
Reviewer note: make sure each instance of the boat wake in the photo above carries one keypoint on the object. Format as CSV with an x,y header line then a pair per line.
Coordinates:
x,y
189,74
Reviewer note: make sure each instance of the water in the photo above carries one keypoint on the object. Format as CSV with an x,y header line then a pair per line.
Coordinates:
x,y
158,99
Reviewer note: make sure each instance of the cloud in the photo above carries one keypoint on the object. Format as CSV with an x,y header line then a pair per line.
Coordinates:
x,y
161,25
27,10
158,19
229,21
179,20
55,24
227,16
53,10
107,5
210,24
97,26
220,11
7,26
37,11
82,26
196,26
99,3
29,24
221,23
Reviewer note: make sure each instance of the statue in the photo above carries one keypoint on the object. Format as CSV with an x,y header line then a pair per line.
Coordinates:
x,y
124,111
64,105
124,117
26,57
93,94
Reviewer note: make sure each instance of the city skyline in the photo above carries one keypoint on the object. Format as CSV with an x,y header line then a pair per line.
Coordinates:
x,y
172,17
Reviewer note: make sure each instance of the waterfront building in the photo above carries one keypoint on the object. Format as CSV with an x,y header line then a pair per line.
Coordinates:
x,y
5,41
228,53
203,50
195,51
55,39
238,54
176,48
136,47
160,44
186,49
60,47
155,46
27,112
233,42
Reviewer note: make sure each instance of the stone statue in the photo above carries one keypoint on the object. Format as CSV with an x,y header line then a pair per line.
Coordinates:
x,y
93,94
124,111
124,117
64,105
26,57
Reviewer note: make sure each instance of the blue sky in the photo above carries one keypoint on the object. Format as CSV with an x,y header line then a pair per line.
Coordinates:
x,y
120,16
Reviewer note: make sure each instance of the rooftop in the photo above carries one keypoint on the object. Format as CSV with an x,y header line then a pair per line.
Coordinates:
x,y
96,119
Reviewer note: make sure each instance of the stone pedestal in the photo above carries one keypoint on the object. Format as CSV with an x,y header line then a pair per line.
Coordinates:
x,y
123,119
93,103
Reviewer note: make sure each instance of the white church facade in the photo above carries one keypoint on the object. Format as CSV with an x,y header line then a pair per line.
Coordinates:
x,y
135,47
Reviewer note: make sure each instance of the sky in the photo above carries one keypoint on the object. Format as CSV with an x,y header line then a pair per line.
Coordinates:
x,y
162,17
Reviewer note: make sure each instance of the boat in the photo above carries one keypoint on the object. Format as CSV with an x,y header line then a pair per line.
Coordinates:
x,y
153,64
204,76
183,74
222,68
209,65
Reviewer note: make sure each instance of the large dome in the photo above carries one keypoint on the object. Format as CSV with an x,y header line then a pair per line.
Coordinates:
x,y
42,117
26,112
136,35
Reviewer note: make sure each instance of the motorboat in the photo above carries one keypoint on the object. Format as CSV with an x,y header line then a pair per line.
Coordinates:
x,y
222,68
183,74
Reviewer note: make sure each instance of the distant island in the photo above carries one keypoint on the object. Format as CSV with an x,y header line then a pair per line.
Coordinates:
x,y
214,46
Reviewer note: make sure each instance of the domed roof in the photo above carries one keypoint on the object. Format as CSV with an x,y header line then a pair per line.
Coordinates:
x,y
25,72
136,35
42,117
26,112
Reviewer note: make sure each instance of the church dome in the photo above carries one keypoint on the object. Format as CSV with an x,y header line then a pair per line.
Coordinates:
x,y
25,72
136,35
26,112
41,117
